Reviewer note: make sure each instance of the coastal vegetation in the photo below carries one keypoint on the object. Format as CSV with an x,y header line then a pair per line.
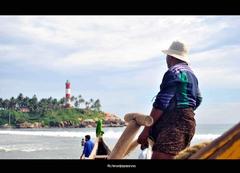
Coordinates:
x,y
48,112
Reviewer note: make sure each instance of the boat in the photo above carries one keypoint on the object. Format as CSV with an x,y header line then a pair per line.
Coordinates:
x,y
227,146
100,150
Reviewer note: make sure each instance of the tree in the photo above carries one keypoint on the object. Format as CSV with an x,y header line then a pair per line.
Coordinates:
x,y
43,106
33,104
72,98
20,100
76,104
12,103
6,104
25,102
61,101
1,102
91,101
55,103
80,100
97,105
87,105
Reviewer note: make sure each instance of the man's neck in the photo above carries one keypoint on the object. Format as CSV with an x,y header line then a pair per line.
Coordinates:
x,y
179,63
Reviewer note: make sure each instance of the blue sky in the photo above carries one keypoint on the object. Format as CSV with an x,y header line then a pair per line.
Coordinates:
x,y
118,59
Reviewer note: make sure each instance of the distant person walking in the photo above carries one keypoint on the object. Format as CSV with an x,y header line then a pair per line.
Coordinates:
x,y
88,147
174,106
82,142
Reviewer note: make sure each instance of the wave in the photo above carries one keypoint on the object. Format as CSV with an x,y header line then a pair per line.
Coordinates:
x,y
24,148
110,134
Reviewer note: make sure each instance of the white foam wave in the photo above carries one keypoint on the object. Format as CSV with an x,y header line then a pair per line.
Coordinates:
x,y
24,148
110,134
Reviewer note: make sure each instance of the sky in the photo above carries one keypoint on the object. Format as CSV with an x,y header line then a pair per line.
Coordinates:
x,y
118,59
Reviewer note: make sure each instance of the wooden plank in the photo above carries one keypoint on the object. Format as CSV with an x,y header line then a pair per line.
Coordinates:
x,y
227,146
134,120
141,119
124,141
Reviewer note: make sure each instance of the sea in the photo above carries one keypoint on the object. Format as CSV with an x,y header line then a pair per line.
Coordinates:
x,y
65,143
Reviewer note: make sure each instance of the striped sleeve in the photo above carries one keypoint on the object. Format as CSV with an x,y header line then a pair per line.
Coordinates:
x,y
167,91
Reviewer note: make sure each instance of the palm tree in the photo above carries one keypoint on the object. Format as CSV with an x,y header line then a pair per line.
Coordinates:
x,y
76,104
26,102
20,100
1,102
72,99
91,101
80,100
61,101
12,103
33,104
43,106
87,105
97,105
55,103
6,104
49,103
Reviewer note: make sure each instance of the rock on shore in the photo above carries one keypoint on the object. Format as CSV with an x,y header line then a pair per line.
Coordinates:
x,y
110,120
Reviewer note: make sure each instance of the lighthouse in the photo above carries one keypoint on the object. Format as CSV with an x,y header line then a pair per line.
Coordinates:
x,y
68,94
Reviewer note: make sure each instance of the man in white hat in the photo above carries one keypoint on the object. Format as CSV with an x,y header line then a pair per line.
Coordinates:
x,y
173,108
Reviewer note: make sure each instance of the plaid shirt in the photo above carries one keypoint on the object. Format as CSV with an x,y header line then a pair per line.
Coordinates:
x,y
179,89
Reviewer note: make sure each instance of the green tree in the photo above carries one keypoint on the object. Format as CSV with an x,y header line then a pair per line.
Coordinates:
x,y
91,101
33,104
43,106
12,103
62,101
20,100
6,104
1,103
87,105
26,102
80,100
55,104
97,105
72,99
76,103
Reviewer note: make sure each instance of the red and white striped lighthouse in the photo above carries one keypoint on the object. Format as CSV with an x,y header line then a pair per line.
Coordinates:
x,y
68,95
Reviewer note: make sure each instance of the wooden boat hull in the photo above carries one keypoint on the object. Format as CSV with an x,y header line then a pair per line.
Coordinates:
x,y
227,146
100,150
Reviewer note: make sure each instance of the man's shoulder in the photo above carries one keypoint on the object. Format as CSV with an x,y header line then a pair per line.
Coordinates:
x,y
170,74
178,68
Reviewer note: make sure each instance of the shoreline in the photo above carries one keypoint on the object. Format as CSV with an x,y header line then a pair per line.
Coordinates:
x,y
54,127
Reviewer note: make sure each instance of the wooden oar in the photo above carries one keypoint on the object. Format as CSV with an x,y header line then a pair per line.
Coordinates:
x,y
131,147
135,120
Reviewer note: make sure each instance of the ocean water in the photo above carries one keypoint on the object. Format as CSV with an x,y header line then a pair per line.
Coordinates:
x,y
59,143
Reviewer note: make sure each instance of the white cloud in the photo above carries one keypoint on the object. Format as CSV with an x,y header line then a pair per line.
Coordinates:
x,y
218,68
69,44
106,40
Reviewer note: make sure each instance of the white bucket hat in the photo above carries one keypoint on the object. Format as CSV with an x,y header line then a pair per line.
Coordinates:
x,y
178,50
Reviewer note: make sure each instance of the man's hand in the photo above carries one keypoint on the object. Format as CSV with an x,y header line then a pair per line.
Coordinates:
x,y
142,138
